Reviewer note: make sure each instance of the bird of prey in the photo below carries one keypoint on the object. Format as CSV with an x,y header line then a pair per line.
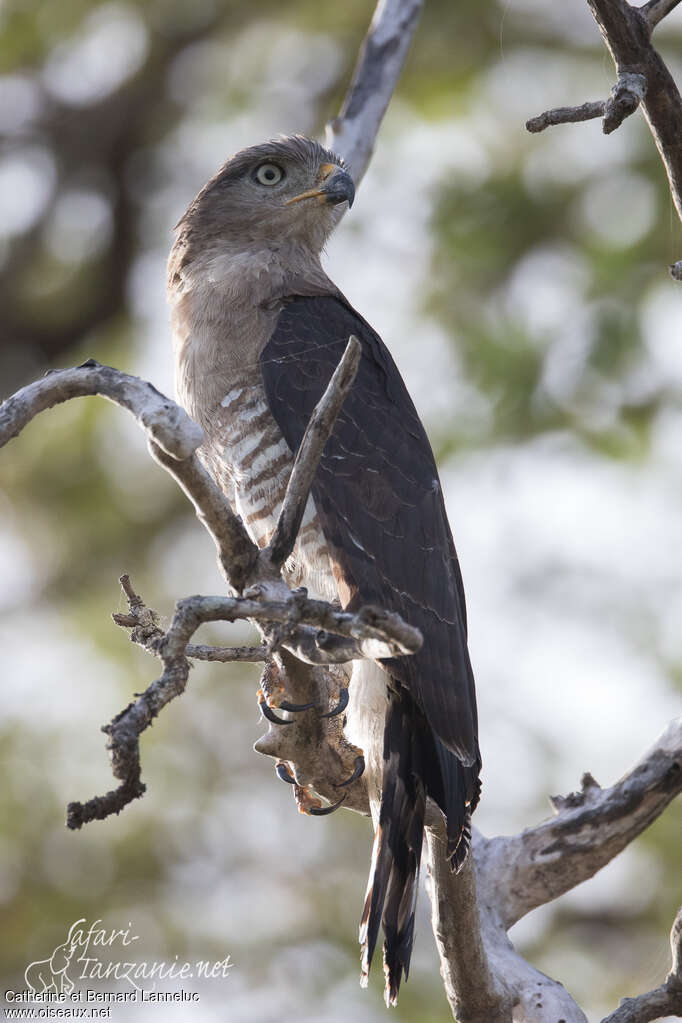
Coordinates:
x,y
258,330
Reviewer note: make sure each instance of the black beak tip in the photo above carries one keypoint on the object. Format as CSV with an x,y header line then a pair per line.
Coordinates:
x,y
340,188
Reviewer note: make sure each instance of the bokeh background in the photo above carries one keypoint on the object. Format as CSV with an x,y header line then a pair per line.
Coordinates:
x,y
521,284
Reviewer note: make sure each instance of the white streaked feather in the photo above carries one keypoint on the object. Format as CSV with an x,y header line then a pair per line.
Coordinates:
x,y
365,717
268,455
246,415
231,396
245,446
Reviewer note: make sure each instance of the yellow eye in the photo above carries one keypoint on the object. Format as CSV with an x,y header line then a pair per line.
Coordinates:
x,y
268,174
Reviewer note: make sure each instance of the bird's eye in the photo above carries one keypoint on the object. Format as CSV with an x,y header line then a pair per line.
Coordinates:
x,y
268,174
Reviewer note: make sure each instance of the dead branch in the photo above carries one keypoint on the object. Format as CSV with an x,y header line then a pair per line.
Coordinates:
x,y
172,649
566,115
226,654
476,992
353,133
483,973
643,80
164,422
627,35
236,551
656,10
626,95
172,436
316,631
589,828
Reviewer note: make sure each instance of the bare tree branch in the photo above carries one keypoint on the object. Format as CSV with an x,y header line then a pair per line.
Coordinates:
x,y
482,971
626,95
589,829
476,994
317,433
627,36
242,654
237,553
656,10
172,436
164,422
566,115
643,80
370,628
353,133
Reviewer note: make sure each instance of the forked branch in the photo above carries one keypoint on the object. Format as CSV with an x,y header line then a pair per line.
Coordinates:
x,y
642,80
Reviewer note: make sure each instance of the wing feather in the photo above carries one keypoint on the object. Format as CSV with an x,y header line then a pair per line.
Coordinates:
x,y
379,500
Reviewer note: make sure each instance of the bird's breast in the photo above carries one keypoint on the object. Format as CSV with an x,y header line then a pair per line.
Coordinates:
x,y
251,461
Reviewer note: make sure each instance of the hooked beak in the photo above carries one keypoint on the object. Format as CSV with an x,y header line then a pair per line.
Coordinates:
x,y
336,186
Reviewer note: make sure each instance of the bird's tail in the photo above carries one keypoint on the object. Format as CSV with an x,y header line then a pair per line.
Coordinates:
x,y
412,769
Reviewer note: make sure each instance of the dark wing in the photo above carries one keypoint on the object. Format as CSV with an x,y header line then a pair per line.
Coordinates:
x,y
379,500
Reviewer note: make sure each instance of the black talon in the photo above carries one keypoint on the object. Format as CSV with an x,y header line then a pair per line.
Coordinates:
x,y
357,772
295,708
270,714
322,811
284,773
340,707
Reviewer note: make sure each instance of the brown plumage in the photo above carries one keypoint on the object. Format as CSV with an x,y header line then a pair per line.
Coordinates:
x,y
258,330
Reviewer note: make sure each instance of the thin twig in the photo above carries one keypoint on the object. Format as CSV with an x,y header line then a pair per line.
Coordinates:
x,y
566,115
317,433
242,654
626,95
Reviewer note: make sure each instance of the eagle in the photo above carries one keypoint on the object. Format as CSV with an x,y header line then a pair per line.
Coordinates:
x,y
258,329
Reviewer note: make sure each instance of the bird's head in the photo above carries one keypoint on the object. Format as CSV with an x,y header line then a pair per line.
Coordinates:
x,y
291,189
